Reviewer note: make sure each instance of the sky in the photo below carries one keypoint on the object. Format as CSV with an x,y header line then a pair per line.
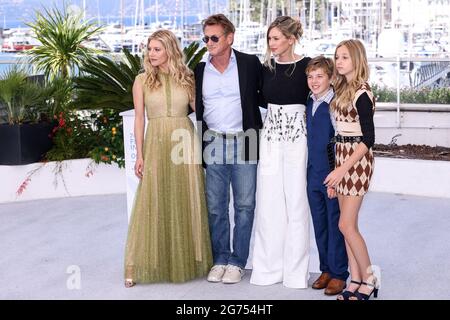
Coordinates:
x,y
13,12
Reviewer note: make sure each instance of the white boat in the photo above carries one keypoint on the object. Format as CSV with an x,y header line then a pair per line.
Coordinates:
x,y
248,37
19,40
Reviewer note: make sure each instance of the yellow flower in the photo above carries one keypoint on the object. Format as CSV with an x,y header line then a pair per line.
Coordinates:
x,y
106,149
114,156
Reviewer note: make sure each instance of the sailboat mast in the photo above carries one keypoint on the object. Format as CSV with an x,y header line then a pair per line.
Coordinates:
x,y
182,24
122,29
241,9
261,14
156,12
98,12
273,12
311,18
139,13
136,14
121,17
142,13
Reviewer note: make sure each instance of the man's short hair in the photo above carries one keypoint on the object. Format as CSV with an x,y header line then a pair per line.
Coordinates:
x,y
219,19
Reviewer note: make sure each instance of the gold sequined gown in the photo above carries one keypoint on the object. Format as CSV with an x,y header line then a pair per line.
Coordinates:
x,y
168,235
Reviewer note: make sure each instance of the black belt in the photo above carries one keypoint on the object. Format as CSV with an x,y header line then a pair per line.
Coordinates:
x,y
344,139
330,153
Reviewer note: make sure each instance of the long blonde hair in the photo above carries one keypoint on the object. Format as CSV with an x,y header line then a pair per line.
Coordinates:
x,y
289,27
178,70
345,91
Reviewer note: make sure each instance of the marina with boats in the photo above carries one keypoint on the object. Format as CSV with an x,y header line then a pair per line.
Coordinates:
x,y
409,53
407,42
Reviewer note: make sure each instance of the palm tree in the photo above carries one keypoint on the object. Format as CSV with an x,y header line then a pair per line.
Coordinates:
x,y
105,88
108,84
62,35
58,95
193,55
23,98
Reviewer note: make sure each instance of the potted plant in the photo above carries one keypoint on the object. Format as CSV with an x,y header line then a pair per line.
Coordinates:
x,y
35,110
26,122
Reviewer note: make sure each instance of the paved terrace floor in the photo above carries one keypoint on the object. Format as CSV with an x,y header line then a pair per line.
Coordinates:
x,y
408,238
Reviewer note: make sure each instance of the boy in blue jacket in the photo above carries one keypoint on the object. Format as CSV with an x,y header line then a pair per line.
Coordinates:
x,y
322,200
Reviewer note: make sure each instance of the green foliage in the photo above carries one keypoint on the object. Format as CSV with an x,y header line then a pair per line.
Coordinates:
x,y
426,95
72,138
58,95
62,36
193,55
106,83
9,94
105,89
81,134
384,94
23,98
420,96
109,138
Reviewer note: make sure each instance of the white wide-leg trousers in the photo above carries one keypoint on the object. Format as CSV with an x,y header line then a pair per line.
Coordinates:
x,y
281,244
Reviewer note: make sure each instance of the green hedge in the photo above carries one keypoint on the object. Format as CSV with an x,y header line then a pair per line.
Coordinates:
x,y
421,96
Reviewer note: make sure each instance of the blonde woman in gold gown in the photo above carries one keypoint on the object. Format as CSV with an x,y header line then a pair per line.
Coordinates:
x,y
168,236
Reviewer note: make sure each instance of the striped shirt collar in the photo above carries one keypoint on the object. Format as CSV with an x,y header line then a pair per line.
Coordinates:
x,y
327,97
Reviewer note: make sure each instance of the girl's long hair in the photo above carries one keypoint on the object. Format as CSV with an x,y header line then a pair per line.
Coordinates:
x,y
345,91
178,70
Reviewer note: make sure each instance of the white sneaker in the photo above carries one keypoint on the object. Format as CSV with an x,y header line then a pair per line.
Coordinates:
x,y
233,274
216,273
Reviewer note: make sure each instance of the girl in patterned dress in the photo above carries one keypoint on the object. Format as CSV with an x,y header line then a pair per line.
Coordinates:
x,y
353,108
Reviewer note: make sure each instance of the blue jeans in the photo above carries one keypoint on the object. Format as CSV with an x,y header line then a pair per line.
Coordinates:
x,y
242,177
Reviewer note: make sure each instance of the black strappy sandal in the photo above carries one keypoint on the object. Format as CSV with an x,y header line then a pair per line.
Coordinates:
x,y
346,295
363,296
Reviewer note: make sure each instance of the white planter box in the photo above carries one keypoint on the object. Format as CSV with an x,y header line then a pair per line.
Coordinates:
x,y
415,123
73,180
403,176
410,176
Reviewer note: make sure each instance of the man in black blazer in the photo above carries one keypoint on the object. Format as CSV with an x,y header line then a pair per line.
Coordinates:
x,y
227,106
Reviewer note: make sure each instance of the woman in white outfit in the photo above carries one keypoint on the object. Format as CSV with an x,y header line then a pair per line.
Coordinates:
x,y
281,243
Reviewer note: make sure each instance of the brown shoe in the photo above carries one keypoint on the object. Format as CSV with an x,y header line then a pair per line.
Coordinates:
x,y
322,281
335,286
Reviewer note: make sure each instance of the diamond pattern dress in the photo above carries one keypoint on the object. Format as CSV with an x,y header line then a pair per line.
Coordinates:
x,y
168,236
357,180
